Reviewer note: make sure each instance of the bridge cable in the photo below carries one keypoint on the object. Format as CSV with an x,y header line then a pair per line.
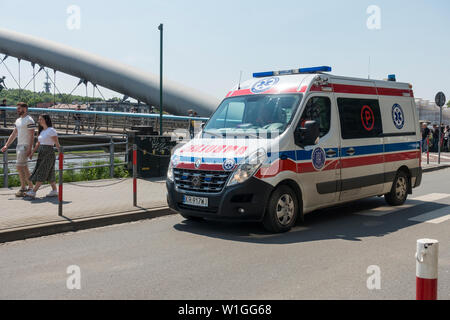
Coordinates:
x,y
54,84
12,76
32,79
20,88
100,92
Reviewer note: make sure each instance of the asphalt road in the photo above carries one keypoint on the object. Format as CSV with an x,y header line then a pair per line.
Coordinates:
x,y
327,257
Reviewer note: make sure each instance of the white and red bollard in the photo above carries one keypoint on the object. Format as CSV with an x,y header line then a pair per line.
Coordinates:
x,y
427,269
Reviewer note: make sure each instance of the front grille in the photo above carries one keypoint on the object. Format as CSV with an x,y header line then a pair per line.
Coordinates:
x,y
207,181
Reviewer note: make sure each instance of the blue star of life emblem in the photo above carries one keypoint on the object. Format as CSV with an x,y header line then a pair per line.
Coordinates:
x,y
264,85
398,116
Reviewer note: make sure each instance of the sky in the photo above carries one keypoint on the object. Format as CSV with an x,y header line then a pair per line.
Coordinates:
x,y
208,43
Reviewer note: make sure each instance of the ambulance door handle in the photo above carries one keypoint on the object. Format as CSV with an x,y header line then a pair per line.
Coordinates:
x,y
331,153
351,152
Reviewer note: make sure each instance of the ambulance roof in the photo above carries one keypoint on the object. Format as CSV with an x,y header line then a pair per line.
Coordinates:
x,y
302,83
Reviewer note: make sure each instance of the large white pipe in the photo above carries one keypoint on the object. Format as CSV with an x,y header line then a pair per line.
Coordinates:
x,y
107,73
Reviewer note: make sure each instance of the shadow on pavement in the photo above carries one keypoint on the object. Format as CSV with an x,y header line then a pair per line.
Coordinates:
x,y
46,200
340,222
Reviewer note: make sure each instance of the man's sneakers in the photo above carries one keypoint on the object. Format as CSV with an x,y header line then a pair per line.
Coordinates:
x,y
30,194
21,193
52,194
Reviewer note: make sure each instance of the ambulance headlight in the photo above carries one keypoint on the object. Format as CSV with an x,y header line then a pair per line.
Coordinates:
x,y
170,172
248,168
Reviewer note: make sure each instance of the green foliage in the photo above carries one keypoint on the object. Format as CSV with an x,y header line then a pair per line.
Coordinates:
x,y
13,96
13,181
85,174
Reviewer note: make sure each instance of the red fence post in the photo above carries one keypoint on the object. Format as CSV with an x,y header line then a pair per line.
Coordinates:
x,y
135,175
61,177
427,269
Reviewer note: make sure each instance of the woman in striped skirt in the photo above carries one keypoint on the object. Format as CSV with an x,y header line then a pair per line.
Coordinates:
x,y
45,166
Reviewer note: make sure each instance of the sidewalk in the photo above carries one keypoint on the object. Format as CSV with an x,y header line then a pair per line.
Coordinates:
x,y
433,165
86,205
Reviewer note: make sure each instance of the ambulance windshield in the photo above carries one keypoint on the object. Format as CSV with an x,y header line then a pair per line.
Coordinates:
x,y
260,115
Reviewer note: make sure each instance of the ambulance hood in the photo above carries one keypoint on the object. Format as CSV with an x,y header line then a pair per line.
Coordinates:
x,y
220,154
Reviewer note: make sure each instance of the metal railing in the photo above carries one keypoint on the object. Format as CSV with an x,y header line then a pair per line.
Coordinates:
x,y
64,150
103,121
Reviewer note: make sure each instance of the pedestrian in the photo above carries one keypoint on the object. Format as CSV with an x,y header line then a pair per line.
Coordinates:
x,y
24,128
191,114
447,139
45,166
77,119
435,138
425,133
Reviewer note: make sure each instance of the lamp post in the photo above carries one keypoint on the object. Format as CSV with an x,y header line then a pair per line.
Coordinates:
x,y
161,29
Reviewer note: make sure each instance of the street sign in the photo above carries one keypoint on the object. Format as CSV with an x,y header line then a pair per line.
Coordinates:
x,y
440,99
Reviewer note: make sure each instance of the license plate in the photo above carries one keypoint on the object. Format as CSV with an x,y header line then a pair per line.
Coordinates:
x,y
195,201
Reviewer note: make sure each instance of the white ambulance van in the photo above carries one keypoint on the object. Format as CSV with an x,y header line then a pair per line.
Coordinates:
x,y
287,143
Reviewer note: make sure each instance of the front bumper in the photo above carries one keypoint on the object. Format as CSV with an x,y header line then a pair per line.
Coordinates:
x,y
252,196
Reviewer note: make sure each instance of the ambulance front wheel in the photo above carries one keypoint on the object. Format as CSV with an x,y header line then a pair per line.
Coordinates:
x,y
282,210
399,192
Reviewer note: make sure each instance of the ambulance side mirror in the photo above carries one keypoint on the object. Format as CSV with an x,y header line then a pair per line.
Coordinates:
x,y
308,135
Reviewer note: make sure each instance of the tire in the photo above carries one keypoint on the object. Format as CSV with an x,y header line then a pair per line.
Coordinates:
x,y
192,218
399,191
282,210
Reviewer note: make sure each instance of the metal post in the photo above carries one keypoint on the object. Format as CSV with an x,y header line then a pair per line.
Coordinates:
x,y
440,135
428,150
127,150
427,269
67,123
95,124
161,28
135,175
111,158
5,169
61,177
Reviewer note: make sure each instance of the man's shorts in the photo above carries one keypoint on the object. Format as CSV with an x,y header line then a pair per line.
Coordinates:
x,y
22,155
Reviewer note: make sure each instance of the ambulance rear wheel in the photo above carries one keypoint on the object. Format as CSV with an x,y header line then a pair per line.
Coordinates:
x,y
399,192
282,210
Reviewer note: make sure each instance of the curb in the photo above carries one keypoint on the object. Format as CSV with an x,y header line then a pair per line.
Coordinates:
x,y
437,168
17,234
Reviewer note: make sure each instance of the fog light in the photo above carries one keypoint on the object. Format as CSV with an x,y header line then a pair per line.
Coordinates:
x,y
241,211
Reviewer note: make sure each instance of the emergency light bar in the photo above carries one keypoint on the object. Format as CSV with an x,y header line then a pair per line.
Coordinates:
x,y
293,71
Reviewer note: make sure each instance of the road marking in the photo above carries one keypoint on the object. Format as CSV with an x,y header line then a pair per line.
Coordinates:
x,y
431,197
435,217
384,210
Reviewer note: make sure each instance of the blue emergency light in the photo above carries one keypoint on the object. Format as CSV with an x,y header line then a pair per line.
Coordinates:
x,y
293,71
392,77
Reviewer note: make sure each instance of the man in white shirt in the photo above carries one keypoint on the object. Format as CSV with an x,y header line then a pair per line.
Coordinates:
x,y
24,132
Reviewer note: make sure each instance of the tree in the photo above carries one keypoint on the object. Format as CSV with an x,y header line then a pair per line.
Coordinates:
x,y
14,96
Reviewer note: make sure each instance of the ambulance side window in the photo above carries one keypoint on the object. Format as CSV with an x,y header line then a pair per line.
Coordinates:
x,y
360,118
319,110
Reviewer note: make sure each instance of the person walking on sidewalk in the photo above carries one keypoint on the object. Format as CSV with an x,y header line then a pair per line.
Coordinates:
x,y
45,166
77,119
24,132
425,134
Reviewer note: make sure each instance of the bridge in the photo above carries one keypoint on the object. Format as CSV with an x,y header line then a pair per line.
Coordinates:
x,y
100,71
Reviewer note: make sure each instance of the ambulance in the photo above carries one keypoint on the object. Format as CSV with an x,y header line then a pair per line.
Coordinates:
x,y
287,143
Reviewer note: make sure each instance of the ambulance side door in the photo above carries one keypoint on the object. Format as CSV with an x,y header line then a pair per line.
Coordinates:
x,y
362,149
318,164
